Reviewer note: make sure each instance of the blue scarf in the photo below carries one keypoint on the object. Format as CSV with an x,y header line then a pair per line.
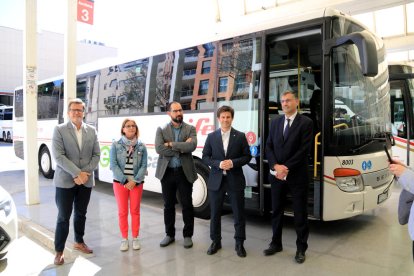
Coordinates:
x,y
129,144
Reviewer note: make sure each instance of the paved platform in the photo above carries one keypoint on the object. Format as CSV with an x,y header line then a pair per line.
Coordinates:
x,y
370,244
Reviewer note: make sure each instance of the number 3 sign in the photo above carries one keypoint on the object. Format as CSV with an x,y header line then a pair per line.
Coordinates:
x,y
85,11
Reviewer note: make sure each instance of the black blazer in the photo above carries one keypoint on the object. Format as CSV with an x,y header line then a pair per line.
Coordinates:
x,y
293,150
237,150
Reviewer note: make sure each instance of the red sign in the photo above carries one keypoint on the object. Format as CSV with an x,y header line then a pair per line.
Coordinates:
x,y
251,137
85,11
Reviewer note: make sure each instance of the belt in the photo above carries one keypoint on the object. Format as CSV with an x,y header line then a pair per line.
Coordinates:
x,y
175,169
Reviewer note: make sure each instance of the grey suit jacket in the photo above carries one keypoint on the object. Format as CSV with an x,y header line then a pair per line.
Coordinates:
x,y
70,160
181,149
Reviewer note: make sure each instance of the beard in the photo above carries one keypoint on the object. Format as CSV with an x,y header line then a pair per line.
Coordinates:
x,y
178,119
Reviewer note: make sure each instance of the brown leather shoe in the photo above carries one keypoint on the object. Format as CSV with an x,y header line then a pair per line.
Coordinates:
x,y
82,247
59,260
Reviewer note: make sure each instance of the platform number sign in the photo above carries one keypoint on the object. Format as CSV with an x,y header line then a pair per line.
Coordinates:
x,y
85,11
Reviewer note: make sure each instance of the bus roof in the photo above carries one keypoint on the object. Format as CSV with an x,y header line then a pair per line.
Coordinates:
x,y
250,23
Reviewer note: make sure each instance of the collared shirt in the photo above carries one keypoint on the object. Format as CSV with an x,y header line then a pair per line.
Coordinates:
x,y
225,137
291,118
175,161
78,133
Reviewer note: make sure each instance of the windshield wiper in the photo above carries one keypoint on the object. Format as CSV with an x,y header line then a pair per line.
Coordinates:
x,y
367,143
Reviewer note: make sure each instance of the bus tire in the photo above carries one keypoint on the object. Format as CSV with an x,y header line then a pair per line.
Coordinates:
x,y
45,163
201,201
9,138
4,136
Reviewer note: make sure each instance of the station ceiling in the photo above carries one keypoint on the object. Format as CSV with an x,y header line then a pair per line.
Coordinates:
x,y
393,20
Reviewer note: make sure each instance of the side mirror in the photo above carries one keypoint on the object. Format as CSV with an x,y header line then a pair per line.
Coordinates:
x,y
367,51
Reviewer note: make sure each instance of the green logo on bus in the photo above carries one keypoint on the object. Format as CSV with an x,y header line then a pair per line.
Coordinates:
x,y
104,156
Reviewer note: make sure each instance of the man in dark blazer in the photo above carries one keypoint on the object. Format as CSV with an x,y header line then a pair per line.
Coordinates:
x,y
287,150
76,151
175,143
226,151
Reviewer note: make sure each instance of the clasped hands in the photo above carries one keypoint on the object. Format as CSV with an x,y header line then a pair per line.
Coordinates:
x,y
281,171
226,164
130,185
82,178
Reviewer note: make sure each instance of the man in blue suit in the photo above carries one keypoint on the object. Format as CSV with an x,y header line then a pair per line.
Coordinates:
x,y
287,150
76,151
226,151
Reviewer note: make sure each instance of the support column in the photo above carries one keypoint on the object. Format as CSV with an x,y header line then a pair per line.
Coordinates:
x,y
70,56
31,176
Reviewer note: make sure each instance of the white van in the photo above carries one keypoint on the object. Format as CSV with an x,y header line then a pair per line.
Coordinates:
x,y
8,222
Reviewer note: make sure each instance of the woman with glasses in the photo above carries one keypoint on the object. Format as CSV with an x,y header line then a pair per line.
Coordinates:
x,y
128,162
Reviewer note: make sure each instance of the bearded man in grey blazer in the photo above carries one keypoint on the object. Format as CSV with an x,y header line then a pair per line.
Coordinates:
x,y
175,142
76,151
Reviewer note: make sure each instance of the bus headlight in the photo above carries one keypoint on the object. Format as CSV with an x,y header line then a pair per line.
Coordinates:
x,y
348,180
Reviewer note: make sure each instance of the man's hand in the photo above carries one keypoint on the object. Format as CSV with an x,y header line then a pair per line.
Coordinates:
x,y
397,169
226,164
82,178
188,140
77,181
281,171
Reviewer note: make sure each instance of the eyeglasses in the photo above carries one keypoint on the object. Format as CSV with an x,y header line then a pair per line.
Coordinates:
x,y
130,126
176,111
76,110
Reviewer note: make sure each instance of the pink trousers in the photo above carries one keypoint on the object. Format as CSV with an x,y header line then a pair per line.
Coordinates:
x,y
123,195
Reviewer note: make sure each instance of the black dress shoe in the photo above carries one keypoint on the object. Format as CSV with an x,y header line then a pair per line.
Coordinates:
x,y
214,247
273,249
300,257
241,252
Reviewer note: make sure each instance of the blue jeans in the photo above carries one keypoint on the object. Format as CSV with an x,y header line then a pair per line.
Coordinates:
x,y
76,198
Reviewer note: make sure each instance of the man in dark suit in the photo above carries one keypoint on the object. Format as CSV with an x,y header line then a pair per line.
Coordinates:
x,y
287,150
175,143
76,152
226,151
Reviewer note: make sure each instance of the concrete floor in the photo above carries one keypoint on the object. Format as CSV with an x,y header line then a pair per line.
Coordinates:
x,y
370,244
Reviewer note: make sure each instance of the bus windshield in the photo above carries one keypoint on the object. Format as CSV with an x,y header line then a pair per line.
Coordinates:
x,y
359,105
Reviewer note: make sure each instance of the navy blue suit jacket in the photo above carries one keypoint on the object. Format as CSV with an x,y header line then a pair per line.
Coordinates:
x,y
293,150
237,150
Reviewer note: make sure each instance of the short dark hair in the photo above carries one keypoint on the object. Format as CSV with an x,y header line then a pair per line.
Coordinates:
x,y
170,104
289,92
225,108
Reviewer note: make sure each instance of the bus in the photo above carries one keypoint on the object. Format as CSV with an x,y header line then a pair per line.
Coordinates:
x,y
6,123
402,94
331,61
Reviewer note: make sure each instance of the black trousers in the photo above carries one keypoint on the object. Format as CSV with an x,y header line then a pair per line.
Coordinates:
x,y
76,198
237,205
299,197
174,180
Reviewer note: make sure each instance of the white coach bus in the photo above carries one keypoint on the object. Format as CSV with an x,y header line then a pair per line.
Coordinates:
x,y
336,65
6,123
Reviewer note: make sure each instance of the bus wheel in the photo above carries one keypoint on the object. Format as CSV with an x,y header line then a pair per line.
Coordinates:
x,y
45,163
4,136
201,202
9,139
